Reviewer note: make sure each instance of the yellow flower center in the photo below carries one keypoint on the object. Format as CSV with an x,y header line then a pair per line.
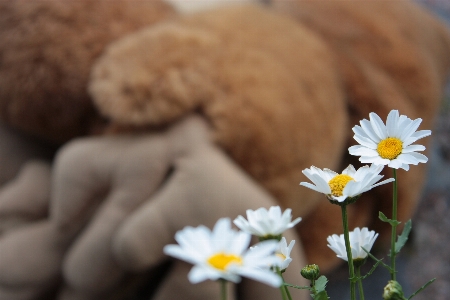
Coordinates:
x,y
390,148
338,183
221,260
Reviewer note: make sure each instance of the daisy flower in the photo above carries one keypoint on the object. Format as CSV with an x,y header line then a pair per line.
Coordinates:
x,y
351,183
284,252
223,254
389,144
265,223
359,238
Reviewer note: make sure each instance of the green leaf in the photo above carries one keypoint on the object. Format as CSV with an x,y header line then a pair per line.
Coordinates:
x,y
403,237
371,270
321,284
422,288
379,261
383,218
298,286
321,296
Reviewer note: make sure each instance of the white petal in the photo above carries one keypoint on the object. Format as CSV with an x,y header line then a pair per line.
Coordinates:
x,y
383,182
328,174
275,212
315,188
391,123
359,131
395,164
265,276
358,150
420,157
240,243
199,274
350,170
412,148
410,129
378,126
416,136
321,182
364,141
407,159
351,189
377,160
177,252
367,127
262,249
403,121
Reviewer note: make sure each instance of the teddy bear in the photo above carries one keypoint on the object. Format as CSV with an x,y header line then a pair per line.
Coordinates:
x,y
181,119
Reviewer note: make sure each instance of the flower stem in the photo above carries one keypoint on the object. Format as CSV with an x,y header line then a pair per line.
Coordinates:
x,y
351,269
283,288
394,226
283,292
223,289
360,286
288,294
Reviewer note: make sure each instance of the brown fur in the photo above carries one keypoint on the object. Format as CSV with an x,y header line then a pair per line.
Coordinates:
x,y
46,52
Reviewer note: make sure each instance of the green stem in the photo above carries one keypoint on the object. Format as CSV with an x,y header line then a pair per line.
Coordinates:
x,y
313,286
351,269
283,288
283,293
394,226
223,289
286,288
360,286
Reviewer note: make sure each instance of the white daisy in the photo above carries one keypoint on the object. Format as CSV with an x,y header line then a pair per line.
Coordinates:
x,y
359,238
223,254
284,252
349,184
266,223
389,144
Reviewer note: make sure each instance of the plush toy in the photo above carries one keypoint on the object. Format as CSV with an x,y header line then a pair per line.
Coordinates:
x,y
190,118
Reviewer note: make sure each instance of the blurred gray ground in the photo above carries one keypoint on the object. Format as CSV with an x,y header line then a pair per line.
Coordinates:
x,y
427,254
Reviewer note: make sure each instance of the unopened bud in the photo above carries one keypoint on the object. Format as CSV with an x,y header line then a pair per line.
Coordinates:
x,y
393,291
310,272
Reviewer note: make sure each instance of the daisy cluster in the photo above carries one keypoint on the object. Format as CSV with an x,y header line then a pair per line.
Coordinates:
x,y
380,145
225,253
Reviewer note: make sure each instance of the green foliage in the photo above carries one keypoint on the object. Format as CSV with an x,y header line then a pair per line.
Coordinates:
x,y
321,283
385,219
422,288
321,296
403,237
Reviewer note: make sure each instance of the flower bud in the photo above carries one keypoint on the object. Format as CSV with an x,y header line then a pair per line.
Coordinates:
x,y
393,291
310,272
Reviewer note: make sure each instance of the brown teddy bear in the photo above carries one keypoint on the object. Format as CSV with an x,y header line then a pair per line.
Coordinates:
x,y
192,118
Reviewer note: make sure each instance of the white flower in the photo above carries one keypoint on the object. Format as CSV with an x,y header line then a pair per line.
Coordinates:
x,y
349,184
389,144
284,252
266,223
223,253
359,238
